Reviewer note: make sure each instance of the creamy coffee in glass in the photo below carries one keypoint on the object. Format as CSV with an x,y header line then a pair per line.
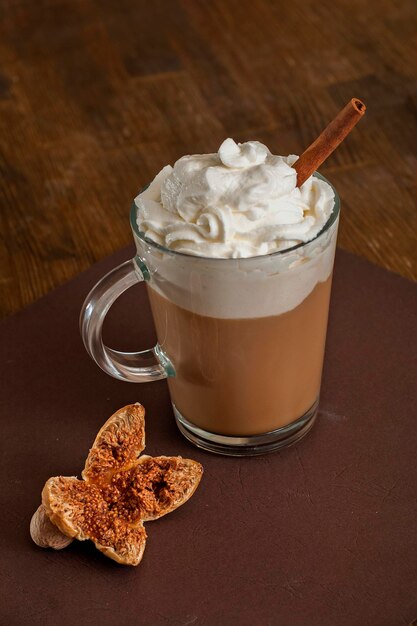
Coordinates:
x,y
238,264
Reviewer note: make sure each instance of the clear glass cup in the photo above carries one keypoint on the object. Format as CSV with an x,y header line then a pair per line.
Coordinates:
x,y
240,341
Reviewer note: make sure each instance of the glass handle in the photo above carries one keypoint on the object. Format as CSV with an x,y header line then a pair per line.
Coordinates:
x,y
135,367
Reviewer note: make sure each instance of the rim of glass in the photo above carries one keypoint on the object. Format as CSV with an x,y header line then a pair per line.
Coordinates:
x,y
333,217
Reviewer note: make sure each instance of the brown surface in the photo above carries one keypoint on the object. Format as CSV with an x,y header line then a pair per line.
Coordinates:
x,y
322,533
96,96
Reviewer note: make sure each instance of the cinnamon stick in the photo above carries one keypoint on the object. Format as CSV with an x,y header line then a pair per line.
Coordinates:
x,y
328,141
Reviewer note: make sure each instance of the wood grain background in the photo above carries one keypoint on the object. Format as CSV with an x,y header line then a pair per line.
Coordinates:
x,y
97,95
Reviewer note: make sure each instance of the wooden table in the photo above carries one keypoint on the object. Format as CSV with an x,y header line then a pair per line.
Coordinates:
x,y
97,95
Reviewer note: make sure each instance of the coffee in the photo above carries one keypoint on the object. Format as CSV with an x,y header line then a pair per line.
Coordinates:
x,y
244,376
237,249
239,284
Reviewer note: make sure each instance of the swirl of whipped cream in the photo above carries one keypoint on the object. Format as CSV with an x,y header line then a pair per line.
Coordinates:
x,y
241,202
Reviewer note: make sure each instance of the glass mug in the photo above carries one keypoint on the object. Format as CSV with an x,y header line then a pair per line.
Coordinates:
x,y
240,341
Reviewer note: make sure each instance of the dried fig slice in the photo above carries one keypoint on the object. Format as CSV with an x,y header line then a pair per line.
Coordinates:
x,y
118,443
70,504
44,533
80,509
173,482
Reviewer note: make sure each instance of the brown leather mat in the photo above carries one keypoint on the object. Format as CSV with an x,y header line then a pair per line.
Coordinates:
x,y
322,533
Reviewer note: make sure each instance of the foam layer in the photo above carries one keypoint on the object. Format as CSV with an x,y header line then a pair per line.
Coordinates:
x,y
241,288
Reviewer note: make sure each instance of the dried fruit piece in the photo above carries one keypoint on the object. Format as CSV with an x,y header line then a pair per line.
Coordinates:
x,y
118,443
44,533
120,490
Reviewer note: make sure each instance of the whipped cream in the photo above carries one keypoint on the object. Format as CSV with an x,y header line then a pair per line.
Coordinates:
x,y
238,203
